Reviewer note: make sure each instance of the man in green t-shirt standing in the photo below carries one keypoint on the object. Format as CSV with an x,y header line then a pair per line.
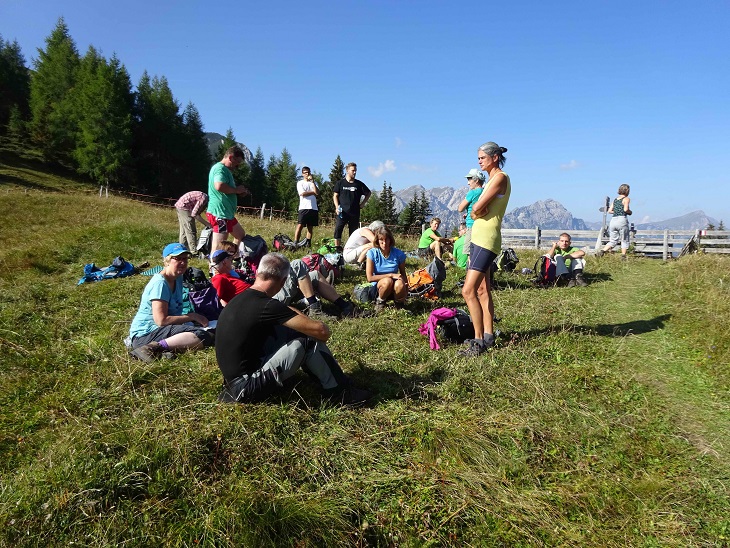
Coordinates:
x,y
223,201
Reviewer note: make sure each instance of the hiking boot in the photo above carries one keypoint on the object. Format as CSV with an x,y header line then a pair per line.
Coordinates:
x,y
571,282
348,396
315,312
147,353
473,348
379,305
624,257
562,280
348,311
600,253
580,280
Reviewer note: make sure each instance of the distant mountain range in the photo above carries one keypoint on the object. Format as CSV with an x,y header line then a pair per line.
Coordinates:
x,y
549,214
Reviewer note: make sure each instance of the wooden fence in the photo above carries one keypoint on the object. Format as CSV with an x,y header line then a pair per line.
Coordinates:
x,y
651,243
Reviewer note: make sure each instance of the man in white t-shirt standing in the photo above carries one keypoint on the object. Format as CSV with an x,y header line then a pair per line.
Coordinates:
x,y
308,212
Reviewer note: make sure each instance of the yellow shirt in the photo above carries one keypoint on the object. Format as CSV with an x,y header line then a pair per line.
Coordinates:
x,y
487,230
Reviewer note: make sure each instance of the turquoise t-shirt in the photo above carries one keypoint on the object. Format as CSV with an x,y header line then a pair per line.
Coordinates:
x,y
389,265
156,290
222,206
460,257
472,196
426,239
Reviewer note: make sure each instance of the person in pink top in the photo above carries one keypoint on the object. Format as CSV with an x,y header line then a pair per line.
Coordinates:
x,y
189,208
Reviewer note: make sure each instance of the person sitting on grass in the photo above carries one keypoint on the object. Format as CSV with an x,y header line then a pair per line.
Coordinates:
x,y
226,281
261,342
569,262
160,327
386,267
359,243
301,283
431,242
461,257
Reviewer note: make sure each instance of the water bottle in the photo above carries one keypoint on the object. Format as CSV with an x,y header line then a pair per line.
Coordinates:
x,y
339,211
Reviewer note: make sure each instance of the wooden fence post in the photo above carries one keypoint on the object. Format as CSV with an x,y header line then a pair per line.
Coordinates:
x,y
665,249
538,234
263,208
271,213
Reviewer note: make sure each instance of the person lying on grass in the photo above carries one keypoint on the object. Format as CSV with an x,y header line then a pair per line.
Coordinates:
x,y
160,325
386,266
261,342
227,282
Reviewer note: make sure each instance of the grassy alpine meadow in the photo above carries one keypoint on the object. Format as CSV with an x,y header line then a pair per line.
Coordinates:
x,y
601,418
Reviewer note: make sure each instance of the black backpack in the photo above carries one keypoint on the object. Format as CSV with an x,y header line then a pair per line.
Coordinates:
x,y
545,269
456,329
507,260
195,279
282,242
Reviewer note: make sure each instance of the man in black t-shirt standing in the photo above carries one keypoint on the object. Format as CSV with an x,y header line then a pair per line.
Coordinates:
x,y
260,342
347,196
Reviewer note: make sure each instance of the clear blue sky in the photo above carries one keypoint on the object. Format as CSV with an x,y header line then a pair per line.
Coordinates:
x,y
585,95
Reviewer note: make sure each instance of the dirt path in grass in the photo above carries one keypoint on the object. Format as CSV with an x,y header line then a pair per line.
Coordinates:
x,y
661,353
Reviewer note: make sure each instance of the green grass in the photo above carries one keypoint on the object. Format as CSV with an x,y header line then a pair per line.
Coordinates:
x,y
601,418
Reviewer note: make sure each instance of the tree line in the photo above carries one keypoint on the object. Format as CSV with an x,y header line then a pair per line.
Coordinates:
x,y
82,112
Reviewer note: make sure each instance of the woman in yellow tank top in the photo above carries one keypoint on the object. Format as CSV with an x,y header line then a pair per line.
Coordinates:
x,y
486,243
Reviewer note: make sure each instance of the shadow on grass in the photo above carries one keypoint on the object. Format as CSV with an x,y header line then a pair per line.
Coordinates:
x,y
636,327
12,179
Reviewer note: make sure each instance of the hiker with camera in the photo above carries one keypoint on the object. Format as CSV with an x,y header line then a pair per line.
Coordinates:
x,y
261,342
569,262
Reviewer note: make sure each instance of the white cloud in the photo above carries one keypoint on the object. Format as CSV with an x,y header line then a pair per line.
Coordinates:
x,y
389,165
570,165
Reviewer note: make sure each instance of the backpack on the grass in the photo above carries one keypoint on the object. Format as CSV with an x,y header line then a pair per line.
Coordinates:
x,y
507,260
420,284
204,241
457,328
201,295
327,246
545,269
251,249
282,242
316,261
365,293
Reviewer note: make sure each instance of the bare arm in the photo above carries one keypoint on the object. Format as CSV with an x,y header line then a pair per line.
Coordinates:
x,y
159,314
202,221
496,187
366,198
225,188
627,209
307,326
373,277
463,205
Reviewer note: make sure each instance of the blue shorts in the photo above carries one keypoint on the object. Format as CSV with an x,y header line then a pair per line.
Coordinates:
x,y
480,259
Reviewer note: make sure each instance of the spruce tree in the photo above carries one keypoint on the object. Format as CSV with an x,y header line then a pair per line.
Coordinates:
x,y
103,100
257,183
197,158
282,176
14,86
53,119
389,215
326,204
373,210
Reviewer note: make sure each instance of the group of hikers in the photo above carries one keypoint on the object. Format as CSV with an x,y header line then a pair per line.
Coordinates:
x,y
261,339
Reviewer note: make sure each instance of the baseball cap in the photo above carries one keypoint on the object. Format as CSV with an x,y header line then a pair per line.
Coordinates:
x,y
219,256
475,174
175,249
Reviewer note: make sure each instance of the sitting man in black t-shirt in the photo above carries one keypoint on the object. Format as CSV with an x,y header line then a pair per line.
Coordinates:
x,y
260,342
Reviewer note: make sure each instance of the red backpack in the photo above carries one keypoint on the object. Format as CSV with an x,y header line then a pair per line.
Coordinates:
x,y
315,261
545,269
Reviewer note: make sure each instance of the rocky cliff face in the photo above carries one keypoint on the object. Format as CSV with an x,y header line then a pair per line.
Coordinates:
x,y
214,141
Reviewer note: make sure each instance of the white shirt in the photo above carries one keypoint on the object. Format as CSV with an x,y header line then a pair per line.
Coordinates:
x,y
306,202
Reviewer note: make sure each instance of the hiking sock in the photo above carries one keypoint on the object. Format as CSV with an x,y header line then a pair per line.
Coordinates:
x,y
488,340
309,242
312,300
164,345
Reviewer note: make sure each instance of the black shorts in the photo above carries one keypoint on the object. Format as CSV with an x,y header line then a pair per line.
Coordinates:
x,y
308,217
481,259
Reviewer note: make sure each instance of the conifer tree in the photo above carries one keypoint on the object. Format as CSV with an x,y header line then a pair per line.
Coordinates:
x,y
103,100
388,213
53,119
257,183
373,210
197,158
282,176
14,86
325,203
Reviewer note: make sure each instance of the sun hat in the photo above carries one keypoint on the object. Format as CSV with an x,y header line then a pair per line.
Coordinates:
x,y
219,256
175,250
475,174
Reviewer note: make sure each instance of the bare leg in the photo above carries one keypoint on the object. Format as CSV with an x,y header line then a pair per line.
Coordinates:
x,y
474,279
385,288
297,232
400,291
484,292
436,247
217,239
306,287
184,341
238,233
310,232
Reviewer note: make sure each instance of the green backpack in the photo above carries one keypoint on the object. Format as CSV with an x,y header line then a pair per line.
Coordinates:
x,y
328,246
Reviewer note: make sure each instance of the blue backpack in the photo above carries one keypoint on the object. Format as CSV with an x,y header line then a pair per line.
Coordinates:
x,y
119,268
